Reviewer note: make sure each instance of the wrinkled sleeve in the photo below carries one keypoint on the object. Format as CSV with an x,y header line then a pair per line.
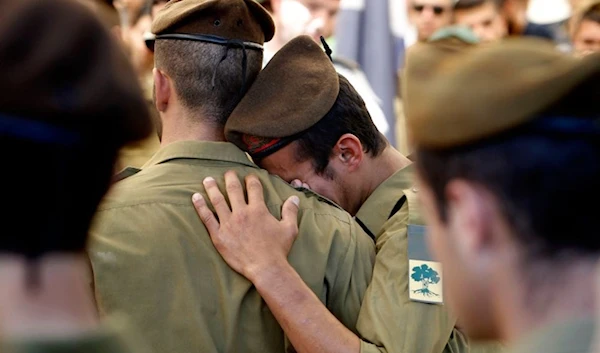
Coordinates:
x,y
389,321
349,275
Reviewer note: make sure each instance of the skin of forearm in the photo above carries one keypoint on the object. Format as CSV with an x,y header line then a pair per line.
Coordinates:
x,y
308,324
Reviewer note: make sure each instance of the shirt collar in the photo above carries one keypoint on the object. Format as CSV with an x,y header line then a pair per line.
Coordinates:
x,y
203,150
570,336
376,210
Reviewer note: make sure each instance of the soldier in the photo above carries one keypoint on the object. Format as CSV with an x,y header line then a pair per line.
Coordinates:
x,y
585,28
150,254
69,101
317,18
508,166
336,149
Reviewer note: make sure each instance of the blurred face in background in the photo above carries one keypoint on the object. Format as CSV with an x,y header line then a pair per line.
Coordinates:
x,y
586,39
310,17
136,16
484,20
428,16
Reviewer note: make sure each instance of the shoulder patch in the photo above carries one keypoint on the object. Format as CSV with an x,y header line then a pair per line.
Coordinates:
x,y
424,274
125,173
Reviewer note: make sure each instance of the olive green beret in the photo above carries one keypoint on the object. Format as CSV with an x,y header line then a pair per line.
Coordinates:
x,y
244,20
488,89
454,34
423,57
292,93
66,73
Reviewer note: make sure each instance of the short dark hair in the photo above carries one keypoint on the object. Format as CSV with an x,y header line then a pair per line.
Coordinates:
x,y
194,65
349,115
593,14
546,185
469,4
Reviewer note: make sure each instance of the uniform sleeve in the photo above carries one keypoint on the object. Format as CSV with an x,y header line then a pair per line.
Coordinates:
x,y
389,321
349,275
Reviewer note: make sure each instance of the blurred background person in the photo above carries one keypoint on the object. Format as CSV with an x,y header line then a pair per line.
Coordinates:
x,y
483,17
317,18
515,14
554,15
136,19
585,28
69,101
495,19
429,16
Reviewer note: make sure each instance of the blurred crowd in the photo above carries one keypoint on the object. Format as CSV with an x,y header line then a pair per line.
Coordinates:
x,y
574,27
340,176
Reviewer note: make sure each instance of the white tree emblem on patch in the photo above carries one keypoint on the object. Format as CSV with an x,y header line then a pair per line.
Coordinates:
x,y
425,281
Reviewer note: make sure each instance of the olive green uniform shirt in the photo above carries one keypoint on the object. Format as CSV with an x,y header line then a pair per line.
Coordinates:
x,y
389,321
573,336
153,259
112,337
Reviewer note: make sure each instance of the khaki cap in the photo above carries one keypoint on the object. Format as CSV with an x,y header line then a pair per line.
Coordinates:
x,y
424,57
293,92
244,20
489,89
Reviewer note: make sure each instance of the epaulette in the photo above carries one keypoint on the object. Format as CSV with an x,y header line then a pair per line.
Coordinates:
x,y
414,214
125,173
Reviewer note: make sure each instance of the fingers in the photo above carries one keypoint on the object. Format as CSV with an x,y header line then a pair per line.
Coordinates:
x,y
217,199
289,214
255,190
297,183
205,214
234,190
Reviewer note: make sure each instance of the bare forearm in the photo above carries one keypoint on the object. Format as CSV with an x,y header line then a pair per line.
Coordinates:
x,y
306,321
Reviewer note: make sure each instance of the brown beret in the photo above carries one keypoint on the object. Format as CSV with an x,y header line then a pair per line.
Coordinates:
x,y
244,20
488,89
62,69
293,92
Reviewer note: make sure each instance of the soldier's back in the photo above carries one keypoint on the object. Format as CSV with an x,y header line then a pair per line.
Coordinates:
x,y
153,259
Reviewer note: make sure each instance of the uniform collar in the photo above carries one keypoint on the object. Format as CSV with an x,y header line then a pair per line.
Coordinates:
x,y
376,210
203,150
571,336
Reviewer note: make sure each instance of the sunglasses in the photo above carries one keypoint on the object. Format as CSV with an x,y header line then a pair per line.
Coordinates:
x,y
437,10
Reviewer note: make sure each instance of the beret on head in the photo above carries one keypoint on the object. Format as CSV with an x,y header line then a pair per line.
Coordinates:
x,y
243,20
62,68
424,57
292,93
488,90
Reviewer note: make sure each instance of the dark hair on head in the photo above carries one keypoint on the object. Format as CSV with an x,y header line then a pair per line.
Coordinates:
x,y
349,115
469,4
193,65
593,14
545,185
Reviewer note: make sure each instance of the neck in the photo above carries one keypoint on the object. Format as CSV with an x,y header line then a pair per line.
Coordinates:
x,y
378,170
180,125
550,293
60,305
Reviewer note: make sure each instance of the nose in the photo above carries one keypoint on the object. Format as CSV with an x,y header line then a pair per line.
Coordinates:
x,y
428,13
